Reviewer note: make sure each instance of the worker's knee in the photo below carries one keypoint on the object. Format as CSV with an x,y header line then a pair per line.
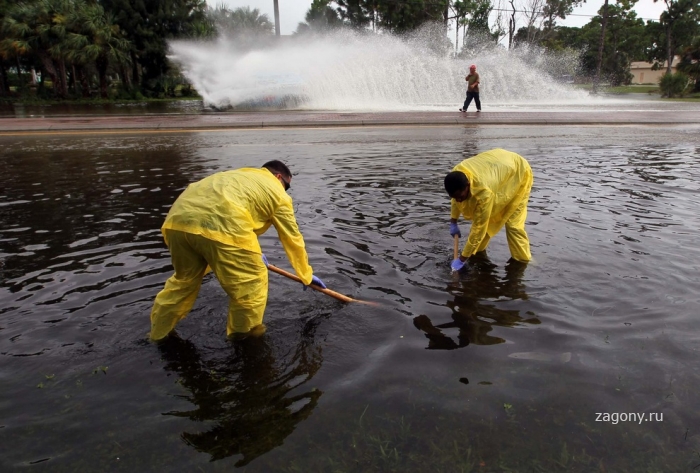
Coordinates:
x,y
242,319
518,243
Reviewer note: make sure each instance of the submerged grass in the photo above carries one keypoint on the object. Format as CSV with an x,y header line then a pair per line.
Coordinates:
x,y
540,441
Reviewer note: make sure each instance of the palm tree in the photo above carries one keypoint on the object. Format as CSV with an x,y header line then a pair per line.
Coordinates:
x,y
5,55
31,29
240,21
94,37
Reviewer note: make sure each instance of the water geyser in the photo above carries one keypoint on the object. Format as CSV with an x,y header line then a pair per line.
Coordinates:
x,y
347,71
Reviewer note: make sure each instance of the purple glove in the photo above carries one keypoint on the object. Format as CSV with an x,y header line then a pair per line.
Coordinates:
x,y
454,230
318,282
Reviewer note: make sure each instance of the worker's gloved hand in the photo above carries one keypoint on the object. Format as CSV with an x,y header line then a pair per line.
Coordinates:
x,y
454,230
265,260
317,281
457,264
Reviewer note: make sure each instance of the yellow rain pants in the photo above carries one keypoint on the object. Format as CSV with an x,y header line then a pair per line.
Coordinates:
x,y
216,221
241,273
500,183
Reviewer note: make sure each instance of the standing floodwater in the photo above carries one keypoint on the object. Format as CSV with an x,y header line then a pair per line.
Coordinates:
x,y
500,370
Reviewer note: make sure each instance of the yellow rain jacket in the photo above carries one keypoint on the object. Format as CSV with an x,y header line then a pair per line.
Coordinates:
x,y
500,183
234,207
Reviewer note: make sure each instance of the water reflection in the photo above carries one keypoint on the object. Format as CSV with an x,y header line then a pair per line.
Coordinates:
x,y
255,396
56,201
19,110
476,306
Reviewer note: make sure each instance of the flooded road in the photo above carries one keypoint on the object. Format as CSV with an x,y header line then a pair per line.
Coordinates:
x,y
503,368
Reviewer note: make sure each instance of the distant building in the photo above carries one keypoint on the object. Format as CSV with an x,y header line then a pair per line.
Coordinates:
x,y
643,74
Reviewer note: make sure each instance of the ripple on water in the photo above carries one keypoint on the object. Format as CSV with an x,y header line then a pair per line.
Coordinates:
x,y
604,317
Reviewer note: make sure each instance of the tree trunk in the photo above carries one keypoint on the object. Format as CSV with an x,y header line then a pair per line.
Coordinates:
x,y
50,69
4,79
19,72
456,36
101,64
446,15
126,80
4,83
599,62
134,69
84,84
63,78
669,49
73,79
511,25
616,56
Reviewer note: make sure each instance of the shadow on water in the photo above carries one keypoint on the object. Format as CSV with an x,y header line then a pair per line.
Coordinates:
x,y
255,395
472,315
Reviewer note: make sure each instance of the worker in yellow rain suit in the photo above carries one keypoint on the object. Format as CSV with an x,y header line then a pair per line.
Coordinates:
x,y
491,189
215,222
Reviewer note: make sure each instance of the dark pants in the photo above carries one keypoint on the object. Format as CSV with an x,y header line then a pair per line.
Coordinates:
x,y
470,96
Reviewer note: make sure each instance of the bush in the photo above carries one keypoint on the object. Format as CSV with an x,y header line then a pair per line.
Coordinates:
x,y
187,91
672,85
161,87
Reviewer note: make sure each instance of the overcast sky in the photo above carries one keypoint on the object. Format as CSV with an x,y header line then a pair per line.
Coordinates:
x,y
292,12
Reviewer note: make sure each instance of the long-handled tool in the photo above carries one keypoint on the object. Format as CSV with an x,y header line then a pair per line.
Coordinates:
x,y
455,274
328,292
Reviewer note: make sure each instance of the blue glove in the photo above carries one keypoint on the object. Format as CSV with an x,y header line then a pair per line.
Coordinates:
x,y
454,230
457,265
265,260
317,281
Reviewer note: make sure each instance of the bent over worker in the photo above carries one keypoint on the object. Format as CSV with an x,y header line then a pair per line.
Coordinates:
x,y
216,222
491,189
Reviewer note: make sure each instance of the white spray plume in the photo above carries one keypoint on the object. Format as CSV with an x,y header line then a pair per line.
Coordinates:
x,y
348,71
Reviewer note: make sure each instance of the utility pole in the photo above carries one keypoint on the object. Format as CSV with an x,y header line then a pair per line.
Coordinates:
x,y
277,18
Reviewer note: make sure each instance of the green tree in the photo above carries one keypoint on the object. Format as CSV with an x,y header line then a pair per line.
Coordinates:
x,y
477,33
625,41
31,29
557,9
241,21
672,85
611,40
680,24
690,62
148,25
392,15
94,37
358,13
460,11
473,16
319,18
479,11
402,17
565,37
5,54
